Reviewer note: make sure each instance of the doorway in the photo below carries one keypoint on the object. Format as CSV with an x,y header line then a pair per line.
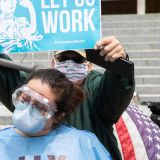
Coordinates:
x,y
119,6
152,6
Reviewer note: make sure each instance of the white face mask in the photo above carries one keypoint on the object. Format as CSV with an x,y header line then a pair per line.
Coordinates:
x,y
73,71
27,119
32,112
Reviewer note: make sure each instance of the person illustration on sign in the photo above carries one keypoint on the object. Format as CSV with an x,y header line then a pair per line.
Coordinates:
x,y
16,32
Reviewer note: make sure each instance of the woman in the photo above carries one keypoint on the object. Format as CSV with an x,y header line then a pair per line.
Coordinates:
x,y
40,105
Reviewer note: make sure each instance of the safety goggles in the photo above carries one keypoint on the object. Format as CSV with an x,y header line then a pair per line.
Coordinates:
x,y
70,56
39,102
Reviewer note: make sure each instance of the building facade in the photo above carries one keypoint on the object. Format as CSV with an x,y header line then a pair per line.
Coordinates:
x,y
130,6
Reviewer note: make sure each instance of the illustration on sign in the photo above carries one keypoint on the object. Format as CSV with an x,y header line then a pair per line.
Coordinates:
x,y
17,31
29,25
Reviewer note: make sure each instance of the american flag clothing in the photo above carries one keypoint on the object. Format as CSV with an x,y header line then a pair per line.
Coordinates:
x,y
138,136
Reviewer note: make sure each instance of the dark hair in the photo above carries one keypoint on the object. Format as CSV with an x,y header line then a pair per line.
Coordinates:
x,y
68,95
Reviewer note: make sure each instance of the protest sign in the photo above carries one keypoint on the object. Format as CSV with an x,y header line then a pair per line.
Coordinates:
x,y
45,25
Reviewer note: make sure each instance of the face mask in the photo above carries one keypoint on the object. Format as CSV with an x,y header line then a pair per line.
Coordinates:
x,y
27,118
72,70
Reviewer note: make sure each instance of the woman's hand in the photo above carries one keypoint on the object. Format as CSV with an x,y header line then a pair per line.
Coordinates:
x,y
110,48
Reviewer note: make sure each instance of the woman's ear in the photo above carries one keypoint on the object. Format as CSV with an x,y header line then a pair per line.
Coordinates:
x,y
53,62
59,117
90,66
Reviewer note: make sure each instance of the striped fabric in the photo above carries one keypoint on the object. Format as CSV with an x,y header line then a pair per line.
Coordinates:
x,y
138,136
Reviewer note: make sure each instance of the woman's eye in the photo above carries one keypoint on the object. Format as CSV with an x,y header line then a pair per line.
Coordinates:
x,y
21,99
26,97
41,107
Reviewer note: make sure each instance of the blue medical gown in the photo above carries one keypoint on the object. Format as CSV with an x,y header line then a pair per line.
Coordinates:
x,y
63,143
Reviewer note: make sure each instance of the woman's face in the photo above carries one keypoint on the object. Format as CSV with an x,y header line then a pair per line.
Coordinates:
x,y
44,90
8,6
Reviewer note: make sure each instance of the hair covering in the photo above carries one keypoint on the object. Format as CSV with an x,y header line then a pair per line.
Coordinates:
x,y
80,52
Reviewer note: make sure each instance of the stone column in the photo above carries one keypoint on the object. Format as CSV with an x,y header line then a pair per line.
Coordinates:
x,y
141,7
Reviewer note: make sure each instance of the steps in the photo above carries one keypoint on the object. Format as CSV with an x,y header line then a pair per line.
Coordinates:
x,y
140,35
41,59
5,117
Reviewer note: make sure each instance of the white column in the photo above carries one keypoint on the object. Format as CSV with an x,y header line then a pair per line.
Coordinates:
x,y
141,7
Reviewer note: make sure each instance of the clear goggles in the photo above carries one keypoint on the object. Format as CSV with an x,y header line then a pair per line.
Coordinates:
x,y
39,102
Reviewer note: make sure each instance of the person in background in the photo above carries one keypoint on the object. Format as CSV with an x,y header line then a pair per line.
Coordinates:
x,y
41,104
107,95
